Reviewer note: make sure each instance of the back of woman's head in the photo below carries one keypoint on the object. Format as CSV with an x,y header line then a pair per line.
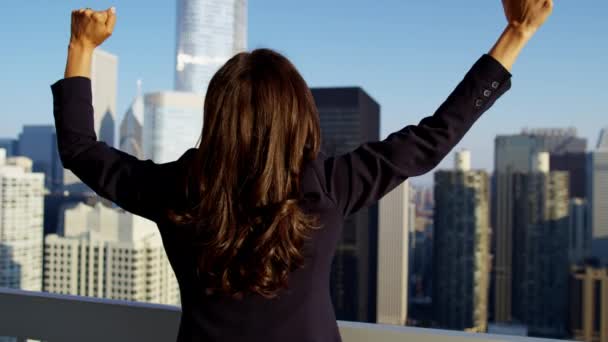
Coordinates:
x,y
260,127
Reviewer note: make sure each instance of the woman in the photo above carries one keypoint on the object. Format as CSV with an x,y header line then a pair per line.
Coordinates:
x,y
251,217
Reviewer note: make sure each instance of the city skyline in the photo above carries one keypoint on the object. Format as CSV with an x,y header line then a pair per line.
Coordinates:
x,y
514,239
409,82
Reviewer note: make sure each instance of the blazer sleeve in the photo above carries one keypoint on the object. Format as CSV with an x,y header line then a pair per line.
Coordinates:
x,y
138,186
360,178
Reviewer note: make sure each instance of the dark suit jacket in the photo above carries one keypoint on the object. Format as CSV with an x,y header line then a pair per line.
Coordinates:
x,y
331,187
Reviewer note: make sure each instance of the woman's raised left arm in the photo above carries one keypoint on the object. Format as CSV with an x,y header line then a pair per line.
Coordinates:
x,y
141,187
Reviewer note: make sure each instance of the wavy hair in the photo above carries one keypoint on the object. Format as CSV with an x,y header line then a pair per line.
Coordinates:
x,y
261,126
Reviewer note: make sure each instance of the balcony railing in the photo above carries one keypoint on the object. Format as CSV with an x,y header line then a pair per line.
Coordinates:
x,y
61,318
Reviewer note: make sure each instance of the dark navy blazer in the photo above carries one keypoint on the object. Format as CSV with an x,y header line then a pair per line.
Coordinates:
x,y
331,187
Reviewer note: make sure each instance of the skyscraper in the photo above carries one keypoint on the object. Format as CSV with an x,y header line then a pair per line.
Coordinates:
x,y
172,124
350,117
393,252
132,125
55,205
579,236
21,199
10,145
589,303
104,85
597,194
39,143
540,239
576,165
461,259
512,155
109,253
209,32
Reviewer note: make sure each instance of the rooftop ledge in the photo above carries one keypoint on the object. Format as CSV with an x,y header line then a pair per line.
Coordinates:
x,y
63,318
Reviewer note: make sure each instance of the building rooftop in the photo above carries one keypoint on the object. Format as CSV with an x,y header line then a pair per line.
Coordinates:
x,y
64,318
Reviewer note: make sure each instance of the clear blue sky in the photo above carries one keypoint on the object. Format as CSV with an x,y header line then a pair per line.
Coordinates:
x,y
406,54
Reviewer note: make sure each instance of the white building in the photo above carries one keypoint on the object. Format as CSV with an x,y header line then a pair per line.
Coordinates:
x,y
21,223
109,253
173,123
209,32
597,193
393,235
104,85
132,126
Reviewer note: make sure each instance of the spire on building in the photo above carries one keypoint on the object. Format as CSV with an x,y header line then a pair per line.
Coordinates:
x,y
602,142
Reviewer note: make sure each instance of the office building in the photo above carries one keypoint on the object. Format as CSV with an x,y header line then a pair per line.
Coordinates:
x,y
597,195
350,117
209,32
512,155
540,239
173,123
132,126
39,143
461,259
393,253
21,198
55,205
579,236
10,145
575,163
104,84
589,303
104,87
109,253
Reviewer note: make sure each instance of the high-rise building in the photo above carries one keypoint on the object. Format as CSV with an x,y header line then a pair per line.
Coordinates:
x,y
209,32
10,145
513,152
540,239
172,124
512,155
350,117
39,143
55,205
104,88
393,252
21,199
109,253
597,195
461,271
104,85
132,126
589,303
579,237
575,163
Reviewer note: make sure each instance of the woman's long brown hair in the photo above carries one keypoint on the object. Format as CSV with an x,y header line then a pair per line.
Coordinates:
x,y
260,126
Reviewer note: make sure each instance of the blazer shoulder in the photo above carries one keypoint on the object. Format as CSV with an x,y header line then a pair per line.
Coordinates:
x,y
314,179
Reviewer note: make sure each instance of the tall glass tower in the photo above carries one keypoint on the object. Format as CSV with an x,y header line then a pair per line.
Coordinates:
x,y
597,194
350,117
209,32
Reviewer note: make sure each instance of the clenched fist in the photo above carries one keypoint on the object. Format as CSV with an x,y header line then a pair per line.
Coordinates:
x,y
91,28
527,15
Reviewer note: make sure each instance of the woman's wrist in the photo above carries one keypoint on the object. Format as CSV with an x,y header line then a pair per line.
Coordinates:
x,y
79,60
509,45
522,31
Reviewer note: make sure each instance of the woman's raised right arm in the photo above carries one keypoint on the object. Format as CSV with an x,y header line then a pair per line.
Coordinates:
x,y
360,178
